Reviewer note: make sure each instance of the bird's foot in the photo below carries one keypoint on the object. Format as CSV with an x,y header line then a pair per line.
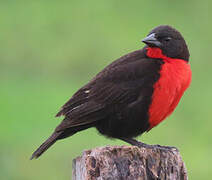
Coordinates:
x,y
165,148
143,145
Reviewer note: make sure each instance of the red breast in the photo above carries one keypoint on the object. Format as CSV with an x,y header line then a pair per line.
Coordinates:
x,y
175,78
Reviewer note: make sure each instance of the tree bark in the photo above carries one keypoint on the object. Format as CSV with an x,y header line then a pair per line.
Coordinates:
x,y
129,163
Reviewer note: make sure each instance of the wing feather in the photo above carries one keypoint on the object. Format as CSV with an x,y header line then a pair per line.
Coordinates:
x,y
116,87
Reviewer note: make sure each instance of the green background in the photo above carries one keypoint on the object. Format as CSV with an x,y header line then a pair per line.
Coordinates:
x,y
49,49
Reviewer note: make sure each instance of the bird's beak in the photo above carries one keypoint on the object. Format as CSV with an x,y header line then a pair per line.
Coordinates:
x,y
152,41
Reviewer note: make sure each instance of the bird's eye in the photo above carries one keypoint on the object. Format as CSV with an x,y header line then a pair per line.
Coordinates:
x,y
167,39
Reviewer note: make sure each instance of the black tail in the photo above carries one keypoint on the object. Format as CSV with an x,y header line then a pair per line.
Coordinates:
x,y
49,142
56,136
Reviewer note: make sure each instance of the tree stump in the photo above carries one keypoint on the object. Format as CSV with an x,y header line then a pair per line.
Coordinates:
x,y
129,163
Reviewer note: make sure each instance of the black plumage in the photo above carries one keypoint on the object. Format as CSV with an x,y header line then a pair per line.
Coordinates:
x,y
116,101
112,101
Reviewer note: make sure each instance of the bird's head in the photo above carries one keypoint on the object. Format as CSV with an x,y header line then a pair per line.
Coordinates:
x,y
169,41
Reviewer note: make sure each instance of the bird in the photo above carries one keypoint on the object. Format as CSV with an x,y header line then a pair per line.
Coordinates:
x,y
131,95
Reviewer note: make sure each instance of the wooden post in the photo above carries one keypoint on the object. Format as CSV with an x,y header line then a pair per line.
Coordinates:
x,y
129,163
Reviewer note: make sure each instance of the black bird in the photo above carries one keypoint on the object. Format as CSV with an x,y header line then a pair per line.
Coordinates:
x,y
131,95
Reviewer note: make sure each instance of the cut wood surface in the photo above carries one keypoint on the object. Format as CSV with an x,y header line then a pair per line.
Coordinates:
x,y
129,163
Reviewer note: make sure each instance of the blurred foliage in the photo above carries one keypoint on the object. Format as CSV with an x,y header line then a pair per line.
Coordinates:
x,y
49,49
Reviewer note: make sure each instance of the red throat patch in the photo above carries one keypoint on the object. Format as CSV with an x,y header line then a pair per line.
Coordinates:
x,y
175,78
153,52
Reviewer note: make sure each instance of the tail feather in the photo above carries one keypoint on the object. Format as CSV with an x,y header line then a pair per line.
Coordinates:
x,y
56,136
49,142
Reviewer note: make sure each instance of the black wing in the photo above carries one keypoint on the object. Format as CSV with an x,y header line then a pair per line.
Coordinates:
x,y
119,85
